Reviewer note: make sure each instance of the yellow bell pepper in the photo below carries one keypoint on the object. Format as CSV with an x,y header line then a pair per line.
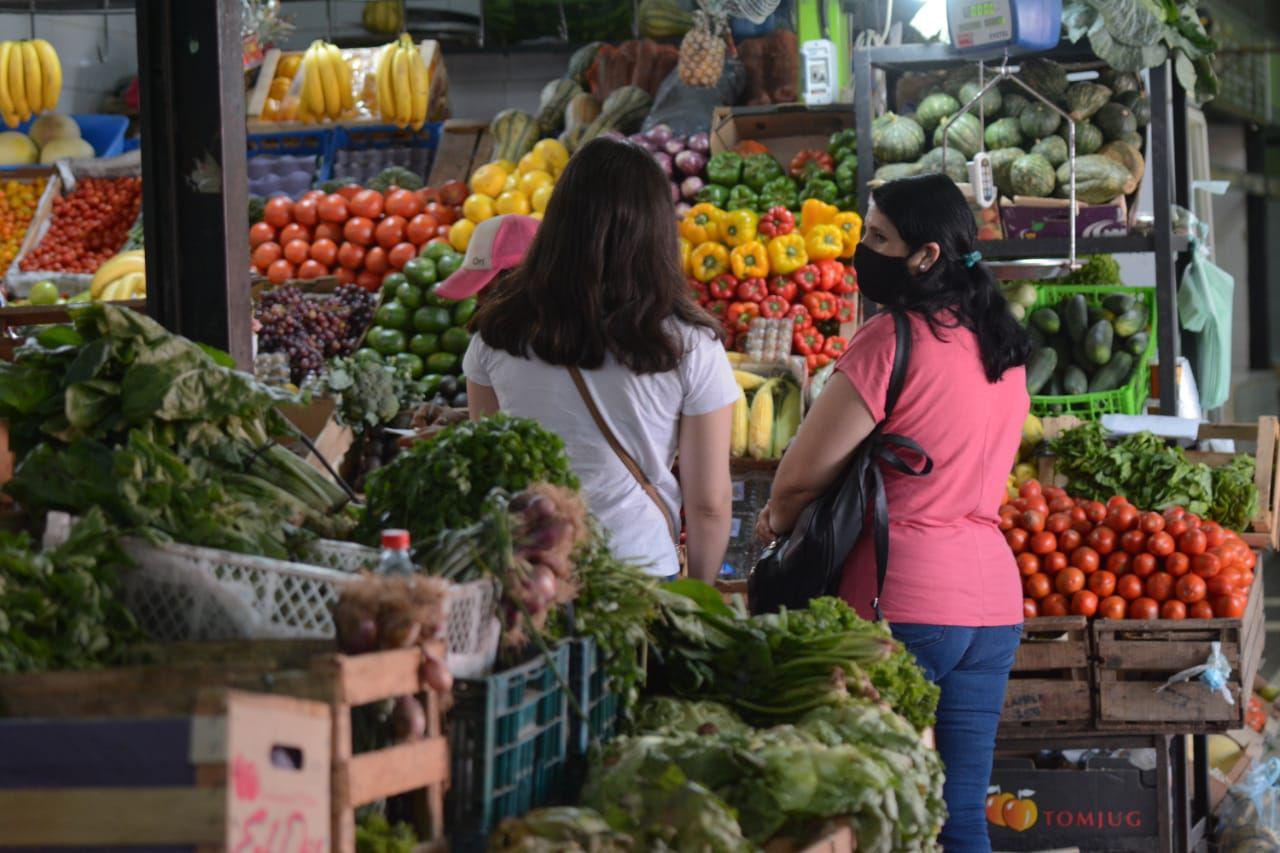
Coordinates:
x,y
739,227
787,253
750,260
686,249
814,213
824,242
850,225
708,261
702,224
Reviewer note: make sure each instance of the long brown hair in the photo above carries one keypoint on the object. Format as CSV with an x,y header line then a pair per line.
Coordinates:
x,y
603,273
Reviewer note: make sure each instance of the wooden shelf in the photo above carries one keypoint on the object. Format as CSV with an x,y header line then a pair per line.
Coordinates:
x,y
1058,247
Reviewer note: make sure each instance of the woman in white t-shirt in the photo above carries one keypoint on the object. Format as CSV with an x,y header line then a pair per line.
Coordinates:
x,y
601,291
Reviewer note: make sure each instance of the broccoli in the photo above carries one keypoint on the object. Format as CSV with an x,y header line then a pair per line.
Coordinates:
x,y
396,176
367,392
1097,269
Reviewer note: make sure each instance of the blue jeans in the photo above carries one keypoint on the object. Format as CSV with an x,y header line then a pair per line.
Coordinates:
x,y
971,665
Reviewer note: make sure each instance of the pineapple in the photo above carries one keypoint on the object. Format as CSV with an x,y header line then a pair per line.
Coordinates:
x,y
702,50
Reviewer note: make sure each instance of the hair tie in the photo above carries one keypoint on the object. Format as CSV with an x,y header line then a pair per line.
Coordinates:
x,y
972,258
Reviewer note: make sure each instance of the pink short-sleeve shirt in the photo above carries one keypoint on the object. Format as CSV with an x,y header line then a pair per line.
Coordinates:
x,y
949,563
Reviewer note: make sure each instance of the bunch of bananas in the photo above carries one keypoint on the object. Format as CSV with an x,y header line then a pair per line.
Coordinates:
x,y
403,84
30,79
326,83
122,277
765,425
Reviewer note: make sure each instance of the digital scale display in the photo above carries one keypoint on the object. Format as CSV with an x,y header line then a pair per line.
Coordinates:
x,y
992,25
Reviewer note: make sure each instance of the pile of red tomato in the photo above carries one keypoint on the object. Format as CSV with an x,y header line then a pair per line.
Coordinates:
x,y
357,234
88,227
1114,561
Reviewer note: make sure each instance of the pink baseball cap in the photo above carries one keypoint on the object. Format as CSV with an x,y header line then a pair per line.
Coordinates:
x,y
497,245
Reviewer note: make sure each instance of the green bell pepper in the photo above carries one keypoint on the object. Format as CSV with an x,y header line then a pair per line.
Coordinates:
x,y
742,196
713,194
822,189
847,203
760,169
847,174
725,169
779,192
842,144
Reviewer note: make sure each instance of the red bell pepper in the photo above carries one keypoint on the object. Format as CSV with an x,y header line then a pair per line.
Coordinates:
x,y
830,272
774,307
807,342
817,361
800,316
834,346
719,308
782,287
723,286
698,291
807,278
729,338
822,306
752,290
741,314
848,280
776,222
844,311
824,160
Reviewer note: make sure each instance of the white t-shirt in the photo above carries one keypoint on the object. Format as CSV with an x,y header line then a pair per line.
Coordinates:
x,y
644,413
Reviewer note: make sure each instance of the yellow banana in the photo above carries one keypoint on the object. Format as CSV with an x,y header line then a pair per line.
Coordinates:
x,y
51,72
312,87
421,87
329,80
403,94
33,78
8,109
344,77
133,285
110,293
386,97
17,82
120,265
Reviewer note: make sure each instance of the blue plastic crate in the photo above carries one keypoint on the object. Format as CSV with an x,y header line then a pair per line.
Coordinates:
x,y
289,150
361,152
590,685
104,132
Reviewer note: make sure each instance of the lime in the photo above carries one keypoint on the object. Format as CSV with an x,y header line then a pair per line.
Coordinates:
x,y
44,293
455,340
386,341
391,283
463,311
392,315
435,299
410,362
428,319
421,272
431,383
437,250
366,354
447,265
424,344
442,362
409,295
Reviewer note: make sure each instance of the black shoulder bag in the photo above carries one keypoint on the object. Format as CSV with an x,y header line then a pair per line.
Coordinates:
x,y
808,562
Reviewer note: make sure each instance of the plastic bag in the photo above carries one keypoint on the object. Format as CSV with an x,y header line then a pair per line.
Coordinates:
x,y
1204,304
687,109
1249,819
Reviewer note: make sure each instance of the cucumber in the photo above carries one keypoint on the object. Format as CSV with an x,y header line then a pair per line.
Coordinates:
x,y
1097,342
1038,338
1137,345
1095,314
1074,381
1119,303
1046,320
1130,323
1075,311
1040,368
1052,388
1115,374
1081,358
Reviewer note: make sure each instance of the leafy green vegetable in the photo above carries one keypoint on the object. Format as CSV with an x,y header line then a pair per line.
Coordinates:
x,y
1235,494
369,393
375,835
1096,269
564,829
396,176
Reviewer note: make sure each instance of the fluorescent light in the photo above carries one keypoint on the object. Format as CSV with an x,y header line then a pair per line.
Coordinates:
x,y
930,21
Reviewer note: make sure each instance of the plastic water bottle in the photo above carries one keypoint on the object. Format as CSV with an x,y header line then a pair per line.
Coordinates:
x,y
395,559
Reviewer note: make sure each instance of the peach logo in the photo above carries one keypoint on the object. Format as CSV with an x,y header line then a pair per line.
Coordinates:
x,y
1017,812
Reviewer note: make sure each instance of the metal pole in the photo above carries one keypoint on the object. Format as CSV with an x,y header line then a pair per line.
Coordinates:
x,y
862,116
1162,198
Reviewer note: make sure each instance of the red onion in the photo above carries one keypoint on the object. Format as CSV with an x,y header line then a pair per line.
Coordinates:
x,y
638,139
700,142
690,163
545,584
675,192
664,160
408,719
691,186
659,134
682,207
435,674
674,145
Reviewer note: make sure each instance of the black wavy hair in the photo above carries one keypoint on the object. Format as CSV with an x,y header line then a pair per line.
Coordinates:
x,y
603,273
931,209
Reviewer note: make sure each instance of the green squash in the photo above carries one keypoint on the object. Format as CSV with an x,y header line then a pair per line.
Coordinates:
x,y
1120,81
661,19
1053,149
623,111
581,61
1001,164
990,101
957,77
1088,137
894,171
895,139
1115,120
934,109
1099,179
1038,121
1013,103
1084,99
555,97
1137,140
1031,175
1139,104
963,133
1003,133
956,167
514,132
1129,157
1045,76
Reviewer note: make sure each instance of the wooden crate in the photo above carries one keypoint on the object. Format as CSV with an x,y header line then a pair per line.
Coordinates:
x,y
1135,658
1051,685
238,771
305,669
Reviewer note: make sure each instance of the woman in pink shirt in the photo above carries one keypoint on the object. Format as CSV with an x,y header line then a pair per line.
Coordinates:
x,y
952,592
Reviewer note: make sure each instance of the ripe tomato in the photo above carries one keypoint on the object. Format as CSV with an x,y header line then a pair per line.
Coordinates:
x,y
1112,607
1085,559
1028,564
454,193
1129,587
259,233
297,251
265,255
324,251
369,281
1122,518
1144,608
1174,513
403,203
1069,581
1118,563
307,211
311,270
1069,540
390,232
1096,511
441,213
278,212
280,272
333,208
345,276
1161,544
350,256
1102,540
1173,609
1160,586
421,229
1206,565
1230,606
1102,583
1117,500
366,203
375,261
1043,543
358,230
1176,528
1249,560
1192,520
1020,504
1224,582
1078,514
1143,565
1060,503
1213,534
1246,579
1007,519
1030,489
313,195
1057,522
1038,504
1054,604
1030,609
1200,610
1054,562
1193,542
350,191
1037,586
401,254
1177,564
1017,539
294,231
1084,603
1150,522
328,231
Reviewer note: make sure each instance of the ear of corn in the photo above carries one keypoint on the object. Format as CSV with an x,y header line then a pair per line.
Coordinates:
x,y
787,423
760,428
738,440
748,381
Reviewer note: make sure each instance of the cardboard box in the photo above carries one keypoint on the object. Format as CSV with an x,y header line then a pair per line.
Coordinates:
x,y
1027,218
786,131
318,422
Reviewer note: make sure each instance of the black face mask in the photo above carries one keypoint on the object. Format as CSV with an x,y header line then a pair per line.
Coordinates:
x,y
884,279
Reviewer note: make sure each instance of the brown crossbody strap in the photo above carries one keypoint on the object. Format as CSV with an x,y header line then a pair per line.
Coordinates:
x,y
636,471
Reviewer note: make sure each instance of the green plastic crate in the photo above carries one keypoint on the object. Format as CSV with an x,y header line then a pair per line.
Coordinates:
x,y
508,746
590,685
1130,398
